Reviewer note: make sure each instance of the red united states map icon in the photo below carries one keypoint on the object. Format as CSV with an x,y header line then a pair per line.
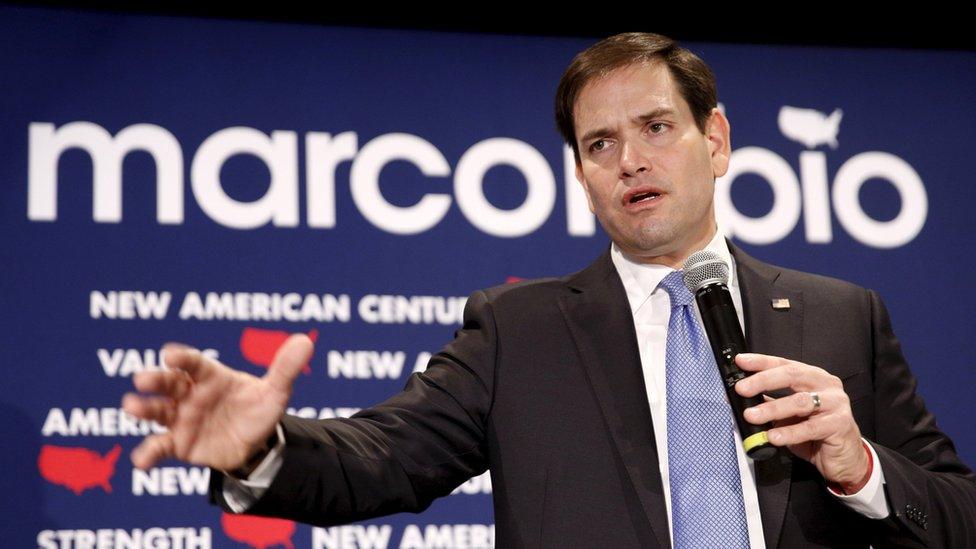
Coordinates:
x,y
258,346
258,532
78,469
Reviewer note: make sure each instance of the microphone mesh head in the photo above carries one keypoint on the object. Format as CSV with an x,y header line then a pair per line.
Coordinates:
x,y
704,267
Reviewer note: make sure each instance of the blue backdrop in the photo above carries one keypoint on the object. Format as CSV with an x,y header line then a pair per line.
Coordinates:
x,y
176,179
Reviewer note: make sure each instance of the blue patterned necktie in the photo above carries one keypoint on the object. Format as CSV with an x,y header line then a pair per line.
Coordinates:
x,y
706,493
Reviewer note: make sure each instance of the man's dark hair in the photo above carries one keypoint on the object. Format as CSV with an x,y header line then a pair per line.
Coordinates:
x,y
695,80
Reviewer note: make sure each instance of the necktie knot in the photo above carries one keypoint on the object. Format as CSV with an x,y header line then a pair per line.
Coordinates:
x,y
674,284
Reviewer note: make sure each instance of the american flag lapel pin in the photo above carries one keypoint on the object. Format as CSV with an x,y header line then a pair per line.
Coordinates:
x,y
781,304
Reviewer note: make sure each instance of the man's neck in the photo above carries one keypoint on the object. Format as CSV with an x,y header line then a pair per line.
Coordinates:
x,y
675,260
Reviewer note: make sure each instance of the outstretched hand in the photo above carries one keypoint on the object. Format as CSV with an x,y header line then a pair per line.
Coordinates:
x,y
216,416
815,422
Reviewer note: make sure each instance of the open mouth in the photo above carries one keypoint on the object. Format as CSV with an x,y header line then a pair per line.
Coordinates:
x,y
641,197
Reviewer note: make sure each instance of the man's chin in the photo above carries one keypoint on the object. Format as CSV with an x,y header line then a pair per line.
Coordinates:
x,y
649,251
661,249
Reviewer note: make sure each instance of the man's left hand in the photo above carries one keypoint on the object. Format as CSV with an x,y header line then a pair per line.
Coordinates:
x,y
826,436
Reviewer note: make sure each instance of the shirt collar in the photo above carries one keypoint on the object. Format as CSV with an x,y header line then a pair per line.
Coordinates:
x,y
640,280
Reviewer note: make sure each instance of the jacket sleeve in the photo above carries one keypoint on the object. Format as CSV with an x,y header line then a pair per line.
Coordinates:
x,y
396,456
931,492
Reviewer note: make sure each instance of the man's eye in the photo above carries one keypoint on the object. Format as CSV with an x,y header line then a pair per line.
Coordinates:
x,y
598,145
657,127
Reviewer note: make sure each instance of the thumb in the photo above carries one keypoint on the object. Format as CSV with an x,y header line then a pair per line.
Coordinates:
x,y
288,361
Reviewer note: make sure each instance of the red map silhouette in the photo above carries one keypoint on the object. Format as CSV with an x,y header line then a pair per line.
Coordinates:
x,y
77,469
513,279
259,346
258,532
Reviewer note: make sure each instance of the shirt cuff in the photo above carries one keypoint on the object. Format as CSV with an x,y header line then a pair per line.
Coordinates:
x,y
870,500
242,494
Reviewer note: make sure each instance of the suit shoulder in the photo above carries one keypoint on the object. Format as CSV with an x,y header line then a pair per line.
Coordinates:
x,y
516,303
819,280
525,290
827,288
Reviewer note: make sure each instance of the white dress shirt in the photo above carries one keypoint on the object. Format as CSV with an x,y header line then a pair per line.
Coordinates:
x,y
651,308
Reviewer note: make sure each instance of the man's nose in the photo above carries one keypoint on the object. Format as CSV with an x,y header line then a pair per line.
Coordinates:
x,y
634,158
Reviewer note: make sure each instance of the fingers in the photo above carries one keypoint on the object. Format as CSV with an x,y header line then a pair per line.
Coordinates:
x,y
754,362
190,360
813,429
152,450
798,419
162,410
173,383
796,405
288,362
774,373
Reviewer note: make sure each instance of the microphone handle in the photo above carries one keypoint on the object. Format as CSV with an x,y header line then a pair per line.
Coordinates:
x,y
725,336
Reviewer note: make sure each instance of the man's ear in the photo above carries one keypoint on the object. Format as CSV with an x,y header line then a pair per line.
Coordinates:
x,y
718,133
586,186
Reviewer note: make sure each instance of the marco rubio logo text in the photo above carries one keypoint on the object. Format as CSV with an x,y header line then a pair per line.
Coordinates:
x,y
807,189
811,194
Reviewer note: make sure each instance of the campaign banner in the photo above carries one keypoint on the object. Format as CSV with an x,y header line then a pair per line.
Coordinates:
x,y
226,183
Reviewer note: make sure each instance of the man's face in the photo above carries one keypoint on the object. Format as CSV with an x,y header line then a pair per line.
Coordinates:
x,y
648,171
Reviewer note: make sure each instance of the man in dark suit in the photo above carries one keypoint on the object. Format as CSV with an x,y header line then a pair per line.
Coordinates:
x,y
549,386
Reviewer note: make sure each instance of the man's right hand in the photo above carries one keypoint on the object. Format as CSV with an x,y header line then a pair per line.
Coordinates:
x,y
215,416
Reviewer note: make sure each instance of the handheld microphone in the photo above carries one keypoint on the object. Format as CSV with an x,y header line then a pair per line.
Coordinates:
x,y
706,276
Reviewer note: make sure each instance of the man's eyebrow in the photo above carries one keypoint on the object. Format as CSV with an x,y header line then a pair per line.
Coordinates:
x,y
641,119
656,113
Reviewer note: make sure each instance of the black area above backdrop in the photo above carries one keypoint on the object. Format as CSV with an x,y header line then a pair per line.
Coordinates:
x,y
819,24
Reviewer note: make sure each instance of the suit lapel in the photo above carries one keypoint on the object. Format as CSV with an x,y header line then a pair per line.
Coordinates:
x,y
598,316
775,332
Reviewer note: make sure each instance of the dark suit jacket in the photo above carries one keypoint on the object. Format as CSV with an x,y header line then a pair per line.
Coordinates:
x,y
543,385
